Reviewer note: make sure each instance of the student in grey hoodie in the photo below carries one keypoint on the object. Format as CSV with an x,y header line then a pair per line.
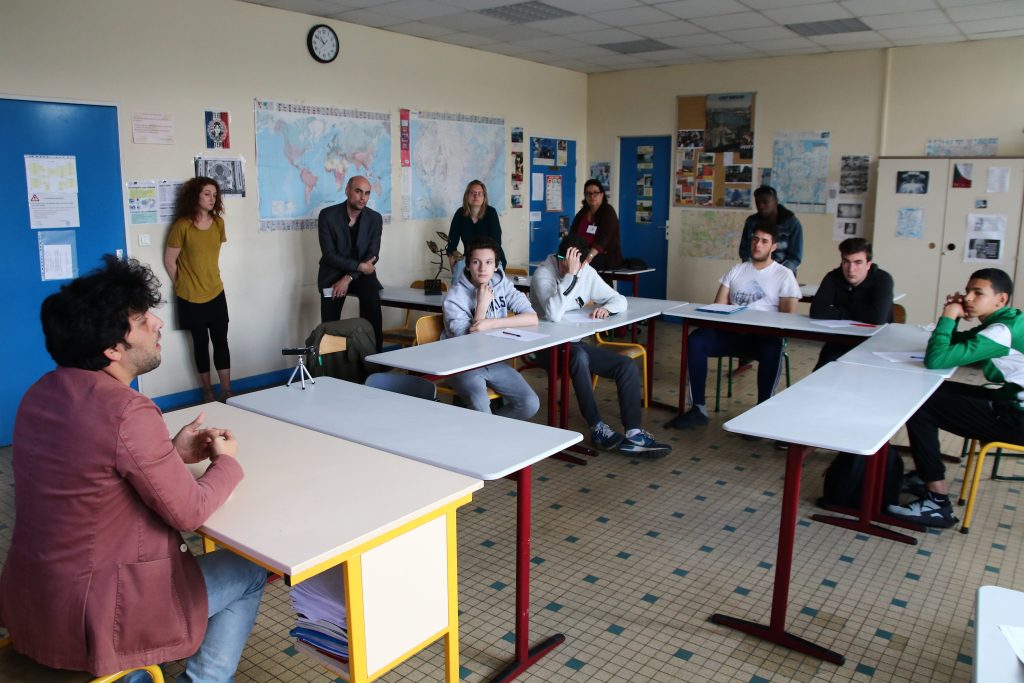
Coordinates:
x,y
565,282
479,301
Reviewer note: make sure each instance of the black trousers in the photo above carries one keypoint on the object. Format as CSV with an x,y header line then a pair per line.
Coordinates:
x,y
366,288
967,410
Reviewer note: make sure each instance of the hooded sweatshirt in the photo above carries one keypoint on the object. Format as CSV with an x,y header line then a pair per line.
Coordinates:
x,y
460,303
552,294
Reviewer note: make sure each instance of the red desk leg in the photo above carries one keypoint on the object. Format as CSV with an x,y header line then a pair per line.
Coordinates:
x,y
526,656
682,374
870,503
775,632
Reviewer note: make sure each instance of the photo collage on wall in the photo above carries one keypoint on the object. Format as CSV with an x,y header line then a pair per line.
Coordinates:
x,y
714,164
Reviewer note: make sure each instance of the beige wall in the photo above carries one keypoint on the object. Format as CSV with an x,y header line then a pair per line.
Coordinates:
x,y
874,102
187,56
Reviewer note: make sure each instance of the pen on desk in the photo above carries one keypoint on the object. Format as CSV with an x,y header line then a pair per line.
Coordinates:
x,y
917,358
511,334
863,325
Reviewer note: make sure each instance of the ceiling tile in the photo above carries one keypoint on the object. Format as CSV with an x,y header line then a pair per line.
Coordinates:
x,y
930,41
728,50
506,49
687,42
616,60
805,13
989,10
864,8
842,39
568,25
367,17
666,29
913,32
635,16
415,10
581,52
548,43
471,5
611,35
781,52
905,19
776,4
510,32
466,39
1003,34
467,21
795,43
420,29
687,9
984,26
748,35
733,22
669,56
590,6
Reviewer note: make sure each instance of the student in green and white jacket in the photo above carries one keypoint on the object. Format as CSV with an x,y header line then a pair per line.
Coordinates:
x,y
993,412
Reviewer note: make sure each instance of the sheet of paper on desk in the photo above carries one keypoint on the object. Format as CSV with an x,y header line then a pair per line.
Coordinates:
x,y
915,357
580,315
517,333
841,323
721,308
1015,635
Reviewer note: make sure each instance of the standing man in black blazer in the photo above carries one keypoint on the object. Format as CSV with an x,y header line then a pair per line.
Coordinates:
x,y
350,243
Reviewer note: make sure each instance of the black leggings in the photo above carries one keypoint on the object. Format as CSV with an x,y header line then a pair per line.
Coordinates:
x,y
201,338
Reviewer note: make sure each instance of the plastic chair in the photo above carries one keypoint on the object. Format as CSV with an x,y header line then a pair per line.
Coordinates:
x,y
972,477
406,334
428,329
410,385
899,313
629,350
718,375
517,271
17,668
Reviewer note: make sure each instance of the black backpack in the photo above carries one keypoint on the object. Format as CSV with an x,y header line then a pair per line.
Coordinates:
x,y
844,480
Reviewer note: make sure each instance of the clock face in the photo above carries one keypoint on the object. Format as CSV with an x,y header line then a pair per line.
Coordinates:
x,y
323,43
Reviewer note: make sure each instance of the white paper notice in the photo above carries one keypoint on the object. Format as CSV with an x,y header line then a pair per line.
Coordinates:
x,y
57,262
536,187
516,334
152,128
534,216
53,210
166,194
998,179
46,173
553,193
142,201
984,237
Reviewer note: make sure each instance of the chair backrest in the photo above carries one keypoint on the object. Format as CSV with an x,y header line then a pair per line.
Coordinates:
x,y
516,271
899,313
428,328
418,284
410,385
330,343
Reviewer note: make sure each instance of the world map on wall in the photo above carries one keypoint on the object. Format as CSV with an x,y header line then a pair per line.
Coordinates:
x,y
446,152
305,155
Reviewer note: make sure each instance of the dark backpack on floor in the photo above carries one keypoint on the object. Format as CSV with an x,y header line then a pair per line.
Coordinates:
x,y
844,480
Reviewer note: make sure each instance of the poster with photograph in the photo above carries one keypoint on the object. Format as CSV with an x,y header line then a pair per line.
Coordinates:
x,y
984,237
739,173
912,182
962,174
689,138
737,197
517,135
853,174
850,210
229,174
843,229
764,176
562,154
998,180
644,157
644,211
517,167
543,151
910,223
218,134
728,126
684,191
601,171
645,185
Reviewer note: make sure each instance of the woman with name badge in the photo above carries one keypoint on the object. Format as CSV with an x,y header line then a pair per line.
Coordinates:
x,y
598,223
475,219
192,259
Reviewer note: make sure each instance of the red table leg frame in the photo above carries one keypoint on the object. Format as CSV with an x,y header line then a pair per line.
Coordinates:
x,y
776,632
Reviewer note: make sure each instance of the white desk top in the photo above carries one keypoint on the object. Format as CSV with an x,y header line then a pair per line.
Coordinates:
x,y
638,309
843,407
795,322
466,441
899,338
308,497
994,659
408,295
625,271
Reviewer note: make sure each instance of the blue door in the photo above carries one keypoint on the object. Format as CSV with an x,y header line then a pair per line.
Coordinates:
x,y
89,134
544,237
644,187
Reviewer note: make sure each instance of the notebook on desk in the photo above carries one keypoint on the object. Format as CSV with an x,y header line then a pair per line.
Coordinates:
x,y
724,309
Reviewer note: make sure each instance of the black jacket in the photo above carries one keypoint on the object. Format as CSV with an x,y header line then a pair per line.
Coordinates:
x,y
868,302
336,243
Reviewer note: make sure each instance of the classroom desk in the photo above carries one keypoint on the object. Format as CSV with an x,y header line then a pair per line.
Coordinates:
x,y
899,338
632,275
413,299
994,659
310,502
488,447
767,323
871,404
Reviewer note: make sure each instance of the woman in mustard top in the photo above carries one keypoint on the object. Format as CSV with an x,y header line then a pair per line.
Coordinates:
x,y
192,260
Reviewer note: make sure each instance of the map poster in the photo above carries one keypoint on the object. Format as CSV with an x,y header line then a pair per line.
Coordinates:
x,y
800,169
448,151
305,155
910,223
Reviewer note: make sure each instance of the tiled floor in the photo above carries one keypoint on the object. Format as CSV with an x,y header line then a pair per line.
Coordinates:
x,y
631,557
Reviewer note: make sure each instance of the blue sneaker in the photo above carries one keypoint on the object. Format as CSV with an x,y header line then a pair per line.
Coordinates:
x,y
691,419
643,445
604,437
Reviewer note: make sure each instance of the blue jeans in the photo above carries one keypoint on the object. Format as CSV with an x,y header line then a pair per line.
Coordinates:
x,y
587,359
234,586
708,342
520,399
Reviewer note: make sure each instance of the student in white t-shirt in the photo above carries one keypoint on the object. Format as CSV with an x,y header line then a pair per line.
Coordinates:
x,y
760,284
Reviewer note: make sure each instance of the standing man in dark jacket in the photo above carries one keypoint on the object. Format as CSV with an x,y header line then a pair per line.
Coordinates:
x,y
350,235
857,290
789,234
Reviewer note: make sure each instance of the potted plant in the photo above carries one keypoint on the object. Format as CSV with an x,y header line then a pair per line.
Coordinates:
x,y
434,286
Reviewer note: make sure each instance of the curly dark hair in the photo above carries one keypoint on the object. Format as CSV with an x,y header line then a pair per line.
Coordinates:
x,y
90,314
188,198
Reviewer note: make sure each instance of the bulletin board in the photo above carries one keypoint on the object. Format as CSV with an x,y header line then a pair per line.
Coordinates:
x,y
705,176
